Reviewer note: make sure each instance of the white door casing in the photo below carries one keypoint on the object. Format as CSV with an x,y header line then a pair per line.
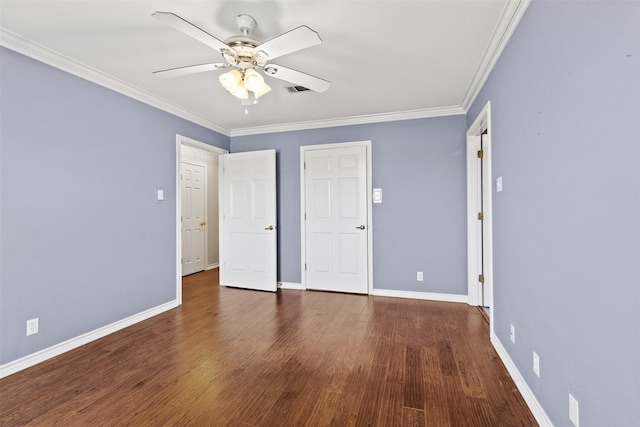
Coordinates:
x,y
248,235
336,218
193,195
485,189
479,199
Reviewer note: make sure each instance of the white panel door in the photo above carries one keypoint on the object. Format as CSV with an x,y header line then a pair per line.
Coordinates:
x,y
192,180
336,219
248,220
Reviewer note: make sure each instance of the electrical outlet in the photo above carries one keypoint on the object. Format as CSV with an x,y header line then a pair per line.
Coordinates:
x,y
574,415
512,334
420,276
32,326
536,364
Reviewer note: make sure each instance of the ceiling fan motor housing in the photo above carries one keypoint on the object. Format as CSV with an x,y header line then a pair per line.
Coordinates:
x,y
242,52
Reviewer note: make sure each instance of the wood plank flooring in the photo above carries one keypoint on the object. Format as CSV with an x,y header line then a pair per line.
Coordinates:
x,y
232,357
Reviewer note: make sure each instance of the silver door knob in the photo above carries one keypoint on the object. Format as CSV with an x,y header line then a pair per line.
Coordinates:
x,y
362,227
269,227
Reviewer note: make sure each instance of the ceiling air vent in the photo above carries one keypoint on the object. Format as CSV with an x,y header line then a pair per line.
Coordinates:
x,y
296,89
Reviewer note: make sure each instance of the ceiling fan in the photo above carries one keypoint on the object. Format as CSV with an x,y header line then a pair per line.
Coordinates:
x,y
246,55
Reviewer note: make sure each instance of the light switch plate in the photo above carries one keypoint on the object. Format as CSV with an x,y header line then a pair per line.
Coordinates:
x,y
499,184
377,195
159,194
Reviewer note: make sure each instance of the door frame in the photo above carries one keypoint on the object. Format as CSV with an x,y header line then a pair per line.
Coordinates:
x,y
303,238
180,141
480,124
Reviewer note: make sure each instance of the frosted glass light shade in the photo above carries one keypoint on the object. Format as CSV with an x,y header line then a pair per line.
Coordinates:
x,y
253,80
231,80
240,91
258,93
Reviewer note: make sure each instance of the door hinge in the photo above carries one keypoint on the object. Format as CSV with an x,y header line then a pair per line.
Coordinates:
x,y
305,266
305,165
305,216
480,154
481,278
480,216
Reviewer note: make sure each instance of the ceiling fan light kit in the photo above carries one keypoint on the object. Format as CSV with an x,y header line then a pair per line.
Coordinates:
x,y
247,55
239,83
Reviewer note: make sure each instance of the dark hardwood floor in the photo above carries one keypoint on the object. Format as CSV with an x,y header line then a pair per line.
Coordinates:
x,y
232,357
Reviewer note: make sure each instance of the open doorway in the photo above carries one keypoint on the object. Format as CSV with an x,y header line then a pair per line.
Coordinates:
x,y
197,163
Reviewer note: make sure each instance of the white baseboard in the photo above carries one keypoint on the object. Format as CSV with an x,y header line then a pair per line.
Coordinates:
x,y
538,412
56,350
394,293
212,266
289,285
421,295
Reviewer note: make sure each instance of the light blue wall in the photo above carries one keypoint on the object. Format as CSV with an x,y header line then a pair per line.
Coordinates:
x,y
83,242
420,226
565,98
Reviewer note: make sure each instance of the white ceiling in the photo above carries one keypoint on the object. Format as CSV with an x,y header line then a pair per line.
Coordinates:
x,y
386,60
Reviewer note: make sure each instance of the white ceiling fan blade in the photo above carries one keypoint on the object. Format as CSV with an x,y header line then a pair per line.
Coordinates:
x,y
190,69
296,77
189,29
291,41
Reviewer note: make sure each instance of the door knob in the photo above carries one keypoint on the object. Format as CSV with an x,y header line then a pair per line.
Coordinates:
x,y
202,224
269,227
362,227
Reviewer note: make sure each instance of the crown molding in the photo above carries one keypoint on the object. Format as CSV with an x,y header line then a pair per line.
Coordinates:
x,y
509,20
40,53
348,121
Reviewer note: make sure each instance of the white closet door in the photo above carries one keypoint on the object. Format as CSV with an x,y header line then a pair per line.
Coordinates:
x,y
336,219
